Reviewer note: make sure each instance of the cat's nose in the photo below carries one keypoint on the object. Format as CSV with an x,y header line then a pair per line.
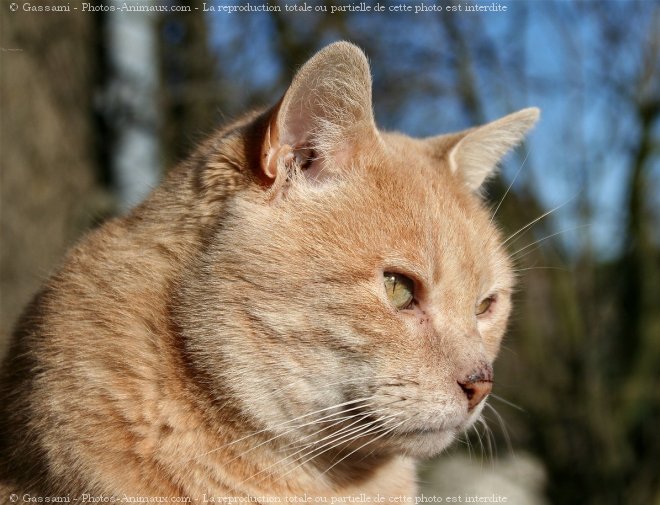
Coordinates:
x,y
477,385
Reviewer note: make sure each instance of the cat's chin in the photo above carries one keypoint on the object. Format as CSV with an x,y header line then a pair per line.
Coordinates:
x,y
424,443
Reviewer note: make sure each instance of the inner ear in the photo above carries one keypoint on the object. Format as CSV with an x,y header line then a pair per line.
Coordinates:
x,y
304,157
284,160
475,153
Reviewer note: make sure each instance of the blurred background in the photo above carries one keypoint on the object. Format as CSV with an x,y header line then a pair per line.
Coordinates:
x,y
96,106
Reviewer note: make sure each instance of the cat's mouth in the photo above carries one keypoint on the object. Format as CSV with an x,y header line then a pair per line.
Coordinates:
x,y
426,431
448,427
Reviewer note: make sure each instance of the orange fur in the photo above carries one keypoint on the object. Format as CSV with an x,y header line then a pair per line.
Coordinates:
x,y
176,347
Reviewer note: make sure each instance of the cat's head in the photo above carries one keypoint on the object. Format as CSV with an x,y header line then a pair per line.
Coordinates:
x,y
360,274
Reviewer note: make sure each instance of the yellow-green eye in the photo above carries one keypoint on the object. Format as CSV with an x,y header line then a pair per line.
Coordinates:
x,y
400,290
485,304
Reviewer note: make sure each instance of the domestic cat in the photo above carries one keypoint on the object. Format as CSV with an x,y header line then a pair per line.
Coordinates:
x,y
303,308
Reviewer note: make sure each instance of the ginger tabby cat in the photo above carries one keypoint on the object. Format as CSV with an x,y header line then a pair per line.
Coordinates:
x,y
307,305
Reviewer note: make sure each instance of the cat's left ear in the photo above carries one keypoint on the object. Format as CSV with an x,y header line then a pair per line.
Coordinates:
x,y
321,117
477,151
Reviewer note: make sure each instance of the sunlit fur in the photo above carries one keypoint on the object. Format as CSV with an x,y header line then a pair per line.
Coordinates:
x,y
232,335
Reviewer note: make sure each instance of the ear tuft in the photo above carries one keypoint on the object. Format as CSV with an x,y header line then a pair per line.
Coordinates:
x,y
476,155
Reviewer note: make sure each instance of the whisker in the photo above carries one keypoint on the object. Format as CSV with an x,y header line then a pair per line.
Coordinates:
x,y
481,444
332,444
469,444
360,417
491,438
354,435
363,445
513,255
327,418
541,268
509,188
369,454
505,432
488,436
283,424
507,402
526,254
334,438
297,380
533,222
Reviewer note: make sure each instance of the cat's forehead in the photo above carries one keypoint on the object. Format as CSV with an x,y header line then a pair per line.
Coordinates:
x,y
421,173
413,206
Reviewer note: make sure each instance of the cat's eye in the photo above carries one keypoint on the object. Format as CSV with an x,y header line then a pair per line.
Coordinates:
x,y
400,290
483,307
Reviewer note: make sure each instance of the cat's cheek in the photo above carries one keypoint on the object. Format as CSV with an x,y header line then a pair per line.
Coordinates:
x,y
493,328
417,327
490,337
416,317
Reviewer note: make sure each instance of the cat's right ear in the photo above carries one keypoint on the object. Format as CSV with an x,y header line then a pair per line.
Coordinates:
x,y
315,127
475,153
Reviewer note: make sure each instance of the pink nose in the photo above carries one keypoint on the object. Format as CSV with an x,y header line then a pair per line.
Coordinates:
x,y
477,385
